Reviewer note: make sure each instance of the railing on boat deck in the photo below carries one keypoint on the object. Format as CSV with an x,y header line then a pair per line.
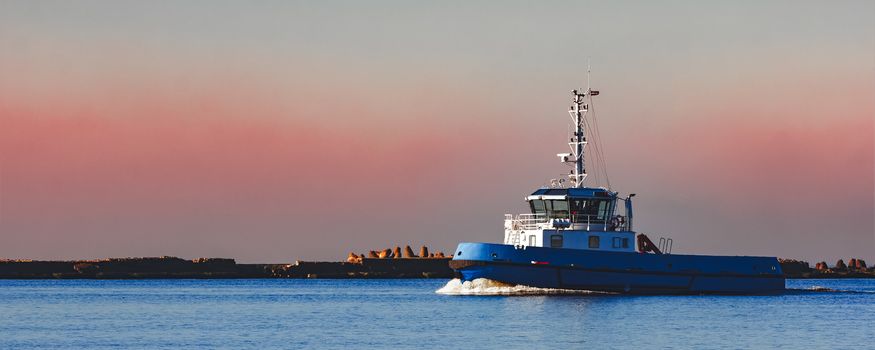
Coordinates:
x,y
531,221
524,221
665,245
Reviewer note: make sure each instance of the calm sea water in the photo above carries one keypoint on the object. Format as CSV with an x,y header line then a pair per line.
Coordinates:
x,y
400,314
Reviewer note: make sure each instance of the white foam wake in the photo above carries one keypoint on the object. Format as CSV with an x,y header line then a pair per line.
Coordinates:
x,y
816,288
483,286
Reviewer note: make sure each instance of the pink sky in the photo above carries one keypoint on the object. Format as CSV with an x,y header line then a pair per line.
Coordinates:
x,y
128,129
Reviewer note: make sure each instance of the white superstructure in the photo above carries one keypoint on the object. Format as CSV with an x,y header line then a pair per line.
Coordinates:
x,y
575,216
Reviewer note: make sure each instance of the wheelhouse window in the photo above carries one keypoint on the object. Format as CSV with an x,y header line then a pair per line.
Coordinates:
x,y
559,209
555,209
589,210
556,241
538,207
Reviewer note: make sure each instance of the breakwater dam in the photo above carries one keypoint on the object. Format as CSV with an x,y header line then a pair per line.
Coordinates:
x,y
387,263
376,264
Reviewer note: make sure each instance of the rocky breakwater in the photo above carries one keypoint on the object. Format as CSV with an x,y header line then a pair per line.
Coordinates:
x,y
386,263
134,268
854,268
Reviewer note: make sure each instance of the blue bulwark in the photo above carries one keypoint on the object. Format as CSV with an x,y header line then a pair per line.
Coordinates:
x,y
619,272
584,192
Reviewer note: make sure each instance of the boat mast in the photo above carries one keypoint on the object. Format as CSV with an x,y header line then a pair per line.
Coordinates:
x,y
578,111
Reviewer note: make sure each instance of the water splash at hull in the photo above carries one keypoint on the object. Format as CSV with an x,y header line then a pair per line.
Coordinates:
x,y
483,286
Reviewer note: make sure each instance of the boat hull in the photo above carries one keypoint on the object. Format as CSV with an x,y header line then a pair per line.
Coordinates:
x,y
620,272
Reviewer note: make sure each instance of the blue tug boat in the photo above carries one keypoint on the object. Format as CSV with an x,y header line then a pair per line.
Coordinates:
x,y
574,238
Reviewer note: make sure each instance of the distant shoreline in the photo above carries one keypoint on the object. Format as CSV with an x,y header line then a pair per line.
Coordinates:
x,y
222,268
